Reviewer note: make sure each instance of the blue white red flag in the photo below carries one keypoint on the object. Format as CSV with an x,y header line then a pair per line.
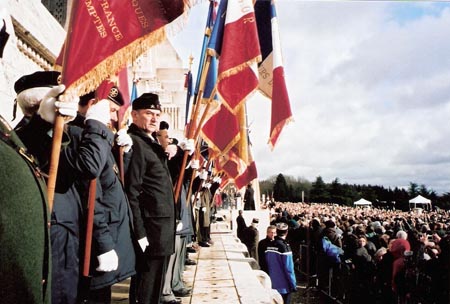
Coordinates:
x,y
271,72
235,41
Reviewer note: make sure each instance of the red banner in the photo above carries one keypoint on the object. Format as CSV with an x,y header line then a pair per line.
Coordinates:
x,y
105,35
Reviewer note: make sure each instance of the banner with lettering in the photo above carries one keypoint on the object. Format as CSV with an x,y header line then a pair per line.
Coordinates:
x,y
105,35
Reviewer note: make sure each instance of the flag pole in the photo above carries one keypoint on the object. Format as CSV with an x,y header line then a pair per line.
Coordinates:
x,y
191,182
58,127
204,63
190,127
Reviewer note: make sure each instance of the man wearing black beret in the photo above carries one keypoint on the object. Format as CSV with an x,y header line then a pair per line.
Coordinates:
x,y
30,90
151,197
85,155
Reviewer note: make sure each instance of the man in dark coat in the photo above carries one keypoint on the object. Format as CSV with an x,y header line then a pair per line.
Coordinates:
x,y
113,258
241,226
249,198
263,245
281,264
85,155
66,213
150,191
252,238
25,240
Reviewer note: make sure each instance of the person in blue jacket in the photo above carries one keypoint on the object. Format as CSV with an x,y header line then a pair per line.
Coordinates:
x,y
281,264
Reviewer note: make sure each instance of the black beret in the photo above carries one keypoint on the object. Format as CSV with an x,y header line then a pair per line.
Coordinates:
x,y
255,220
147,101
36,80
115,96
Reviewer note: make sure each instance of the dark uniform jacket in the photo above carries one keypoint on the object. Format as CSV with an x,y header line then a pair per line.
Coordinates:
x,y
112,218
262,247
251,240
24,237
150,191
67,202
86,154
241,226
249,200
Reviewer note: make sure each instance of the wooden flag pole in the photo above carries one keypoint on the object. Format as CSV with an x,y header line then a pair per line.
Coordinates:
x,y
54,159
89,226
85,280
190,127
58,127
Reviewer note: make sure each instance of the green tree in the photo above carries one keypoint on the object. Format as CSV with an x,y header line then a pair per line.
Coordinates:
x,y
413,189
280,189
337,192
319,191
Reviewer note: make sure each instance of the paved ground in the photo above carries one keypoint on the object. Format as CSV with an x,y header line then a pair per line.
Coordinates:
x,y
224,275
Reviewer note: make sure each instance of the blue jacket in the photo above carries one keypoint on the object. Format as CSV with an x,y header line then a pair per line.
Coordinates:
x,y
281,266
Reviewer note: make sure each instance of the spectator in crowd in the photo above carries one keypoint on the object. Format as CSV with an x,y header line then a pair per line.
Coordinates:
x,y
241,226
251,238
265,243
281,264
249,198
331,234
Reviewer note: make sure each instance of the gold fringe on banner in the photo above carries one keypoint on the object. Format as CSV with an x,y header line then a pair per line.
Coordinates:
x,y
233,71
112,64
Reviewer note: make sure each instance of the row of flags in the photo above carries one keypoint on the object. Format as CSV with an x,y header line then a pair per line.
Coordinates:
x,y
240,55
245,38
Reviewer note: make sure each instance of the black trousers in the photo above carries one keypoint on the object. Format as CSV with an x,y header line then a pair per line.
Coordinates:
x,y
100,296
148,282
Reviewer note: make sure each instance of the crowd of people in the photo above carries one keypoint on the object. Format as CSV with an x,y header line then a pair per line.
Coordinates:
x,y
126,177
376,256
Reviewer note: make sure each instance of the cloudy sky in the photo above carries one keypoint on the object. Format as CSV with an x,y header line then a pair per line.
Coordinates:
x,y
369,84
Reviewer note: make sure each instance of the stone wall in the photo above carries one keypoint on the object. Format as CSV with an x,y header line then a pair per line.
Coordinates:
x,y
35,40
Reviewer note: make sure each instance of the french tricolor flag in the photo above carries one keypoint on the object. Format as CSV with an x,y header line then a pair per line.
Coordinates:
x,y
235,40
271,72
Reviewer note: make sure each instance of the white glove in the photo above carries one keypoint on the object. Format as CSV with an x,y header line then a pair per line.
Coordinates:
x,y
124,140
143,243
208,185
219,180
171,150
108,261
179,226
188,145
195,164
203,209
99,111
215,179
66,104
204,174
